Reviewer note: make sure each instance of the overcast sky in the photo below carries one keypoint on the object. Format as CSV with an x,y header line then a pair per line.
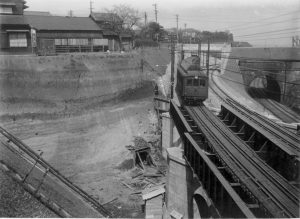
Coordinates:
x,y
248,20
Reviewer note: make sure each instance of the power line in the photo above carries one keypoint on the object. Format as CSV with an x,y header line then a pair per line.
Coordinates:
x,y
273,31
272,38
239,73
277,22
276,34
244,83
249,58
268,18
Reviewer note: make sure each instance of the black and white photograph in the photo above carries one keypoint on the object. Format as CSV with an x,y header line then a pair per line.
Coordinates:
x,y
155,109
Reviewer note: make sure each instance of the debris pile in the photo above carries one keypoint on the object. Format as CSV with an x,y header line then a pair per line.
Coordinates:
x,y
149,168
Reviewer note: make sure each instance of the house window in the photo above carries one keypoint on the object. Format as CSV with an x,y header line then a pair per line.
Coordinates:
x,y
6,10
17,40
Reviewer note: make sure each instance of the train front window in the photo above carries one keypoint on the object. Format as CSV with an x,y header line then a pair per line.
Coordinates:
x,y
202,83
189,82
196,82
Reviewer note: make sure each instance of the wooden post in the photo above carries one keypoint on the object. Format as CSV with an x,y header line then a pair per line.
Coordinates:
x,y
42,181
36,161
172,65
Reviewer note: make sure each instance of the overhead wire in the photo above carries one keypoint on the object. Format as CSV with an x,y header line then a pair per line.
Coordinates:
x,y
241,83
268,18
266,24
273,31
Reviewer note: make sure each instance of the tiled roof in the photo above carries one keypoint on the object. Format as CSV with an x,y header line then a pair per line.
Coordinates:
x,y
52,22
61,23
12,20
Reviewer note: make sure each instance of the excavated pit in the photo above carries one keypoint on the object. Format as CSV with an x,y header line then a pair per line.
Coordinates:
x,y
81,110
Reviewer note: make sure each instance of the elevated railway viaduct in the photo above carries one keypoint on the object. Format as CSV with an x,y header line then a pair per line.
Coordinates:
x,y
216,173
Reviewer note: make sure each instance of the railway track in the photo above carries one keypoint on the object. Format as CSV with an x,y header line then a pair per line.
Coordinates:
x,y
284,138
29,152
279,110
269,188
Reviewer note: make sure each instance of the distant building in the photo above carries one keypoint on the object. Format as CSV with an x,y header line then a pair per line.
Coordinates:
x,y
50,34
57,34
240,44
40,13
14,31
112,24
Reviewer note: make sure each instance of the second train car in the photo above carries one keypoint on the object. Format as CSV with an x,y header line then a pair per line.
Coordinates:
x,y
192,82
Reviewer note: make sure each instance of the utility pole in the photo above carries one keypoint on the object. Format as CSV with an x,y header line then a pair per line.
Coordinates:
x,y
207,57
145,18
185,33
172,65
91,7
177,28
284,85
155,11
199,52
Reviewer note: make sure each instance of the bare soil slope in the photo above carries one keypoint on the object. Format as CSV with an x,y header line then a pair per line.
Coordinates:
x,y
82,114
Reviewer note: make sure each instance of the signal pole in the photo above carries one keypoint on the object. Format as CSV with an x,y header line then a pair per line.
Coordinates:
x,y
177,27
172,65
155,11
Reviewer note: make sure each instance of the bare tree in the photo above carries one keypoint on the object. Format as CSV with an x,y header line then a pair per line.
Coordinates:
x,y
123,18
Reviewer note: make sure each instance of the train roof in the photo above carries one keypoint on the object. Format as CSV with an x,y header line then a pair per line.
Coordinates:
x,y
191,63
191,67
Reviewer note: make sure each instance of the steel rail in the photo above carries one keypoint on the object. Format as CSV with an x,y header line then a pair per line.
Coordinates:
x,y
276,108
289,141
237,155
226,185
53,171
285,139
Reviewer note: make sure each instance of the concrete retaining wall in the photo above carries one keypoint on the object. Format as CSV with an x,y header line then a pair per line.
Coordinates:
x,y
53,84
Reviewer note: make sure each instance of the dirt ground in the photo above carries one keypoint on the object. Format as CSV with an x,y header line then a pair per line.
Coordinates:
x,y
87,144
90,148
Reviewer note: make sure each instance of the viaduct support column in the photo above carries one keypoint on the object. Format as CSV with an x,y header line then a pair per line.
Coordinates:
x,y
179,184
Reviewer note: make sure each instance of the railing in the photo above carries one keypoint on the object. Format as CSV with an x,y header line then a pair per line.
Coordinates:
x,y
39,160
